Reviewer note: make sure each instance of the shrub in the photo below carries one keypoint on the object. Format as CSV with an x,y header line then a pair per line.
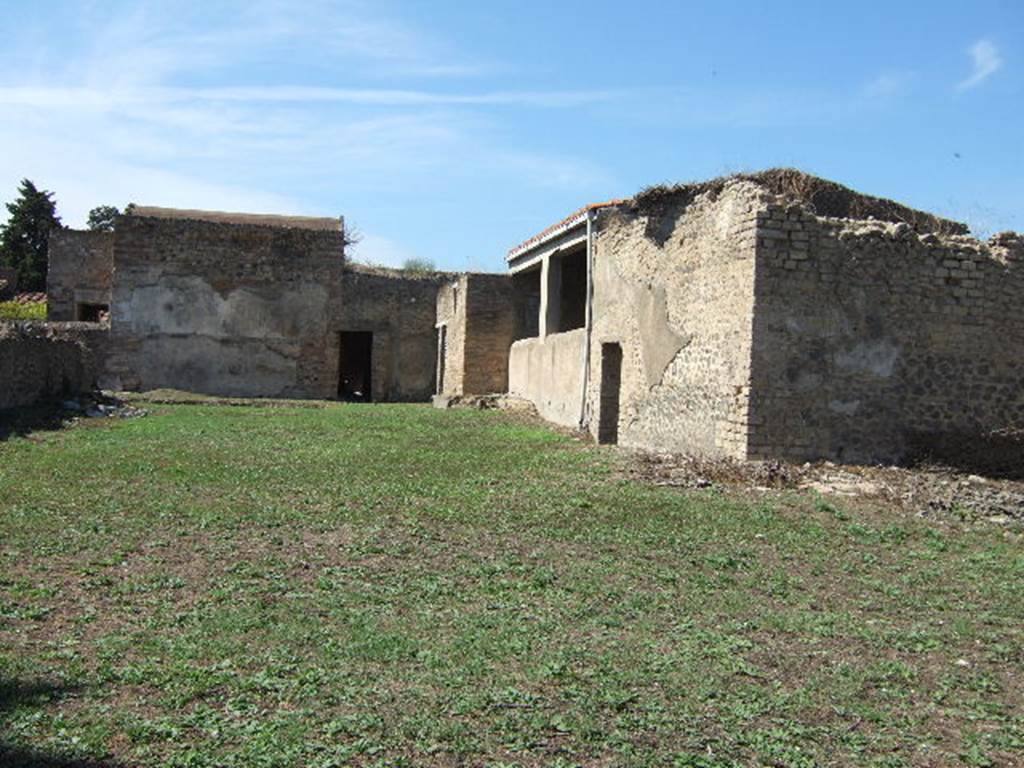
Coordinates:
x,y
13,310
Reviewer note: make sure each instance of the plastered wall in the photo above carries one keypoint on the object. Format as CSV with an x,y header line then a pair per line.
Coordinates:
x,y
224,309
675,287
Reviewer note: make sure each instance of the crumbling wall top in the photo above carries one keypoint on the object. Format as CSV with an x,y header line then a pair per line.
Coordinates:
x,y
820,196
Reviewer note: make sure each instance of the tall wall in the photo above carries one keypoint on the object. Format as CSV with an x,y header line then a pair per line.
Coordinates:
x,y
490,330
224,308
451,314
675,287
80,271
399,308
479,316
46,361
872,342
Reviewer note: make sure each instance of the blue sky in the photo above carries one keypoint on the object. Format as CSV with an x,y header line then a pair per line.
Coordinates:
x,y
453,130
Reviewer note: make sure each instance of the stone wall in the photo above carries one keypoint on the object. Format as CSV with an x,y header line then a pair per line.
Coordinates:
x,y
451,315
872,342
490,331
549,373
225,308
399,308
80,271
479,317
675,288
47,361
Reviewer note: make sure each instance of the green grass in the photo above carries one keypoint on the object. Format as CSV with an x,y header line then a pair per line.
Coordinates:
x,y
399,586
13,310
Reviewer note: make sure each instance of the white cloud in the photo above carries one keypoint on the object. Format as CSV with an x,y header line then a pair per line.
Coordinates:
x,y
140,107
96,98
886,85
985,60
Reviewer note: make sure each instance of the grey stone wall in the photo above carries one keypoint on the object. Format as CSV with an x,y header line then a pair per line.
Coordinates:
x,y
399,308
223,308
46,361
479,315
80,271
872,342
675,287
451,314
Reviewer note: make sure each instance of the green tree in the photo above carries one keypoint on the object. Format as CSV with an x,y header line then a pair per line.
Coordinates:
x,y
102,218
24,238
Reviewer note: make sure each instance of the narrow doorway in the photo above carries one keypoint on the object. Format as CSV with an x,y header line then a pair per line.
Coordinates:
x,y
442,354
611,383
355,366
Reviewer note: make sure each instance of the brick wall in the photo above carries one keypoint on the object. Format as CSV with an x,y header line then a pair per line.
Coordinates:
x,y
479,315
228,309
46,361
872,341
80,271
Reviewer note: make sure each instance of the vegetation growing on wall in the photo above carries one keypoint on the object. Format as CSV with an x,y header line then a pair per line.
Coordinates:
x,y
18,310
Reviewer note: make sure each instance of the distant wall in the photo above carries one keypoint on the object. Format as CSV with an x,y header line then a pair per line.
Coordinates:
x,y
399,308
46,361
675,287
80,271
451,315
872,342
549,372
223,308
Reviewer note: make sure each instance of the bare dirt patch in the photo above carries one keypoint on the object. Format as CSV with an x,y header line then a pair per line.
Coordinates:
x,y
925,491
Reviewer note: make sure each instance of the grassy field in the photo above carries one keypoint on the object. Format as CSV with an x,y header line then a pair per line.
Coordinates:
x,y
399,586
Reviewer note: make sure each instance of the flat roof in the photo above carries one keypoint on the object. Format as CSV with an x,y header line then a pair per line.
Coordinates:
x,y
324,223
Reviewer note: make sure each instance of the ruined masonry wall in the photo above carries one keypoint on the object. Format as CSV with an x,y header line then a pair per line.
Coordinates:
x,y
224,309
490,331
451,313
676,289
80,270
872,342
46,361
399,309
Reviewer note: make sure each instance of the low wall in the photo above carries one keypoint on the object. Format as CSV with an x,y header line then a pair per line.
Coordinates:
x,y
549,373
47,361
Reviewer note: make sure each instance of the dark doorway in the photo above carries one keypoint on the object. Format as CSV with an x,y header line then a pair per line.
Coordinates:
x,y
611,383
92,313
354,366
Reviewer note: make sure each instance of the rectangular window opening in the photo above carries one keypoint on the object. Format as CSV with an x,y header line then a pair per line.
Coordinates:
x,y
92,313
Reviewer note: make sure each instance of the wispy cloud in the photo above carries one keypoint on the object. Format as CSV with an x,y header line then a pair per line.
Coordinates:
x,y
985,61
152,108
886,85
86,97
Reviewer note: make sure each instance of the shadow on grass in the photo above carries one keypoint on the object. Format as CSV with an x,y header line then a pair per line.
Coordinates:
x,y
17,694
19,422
